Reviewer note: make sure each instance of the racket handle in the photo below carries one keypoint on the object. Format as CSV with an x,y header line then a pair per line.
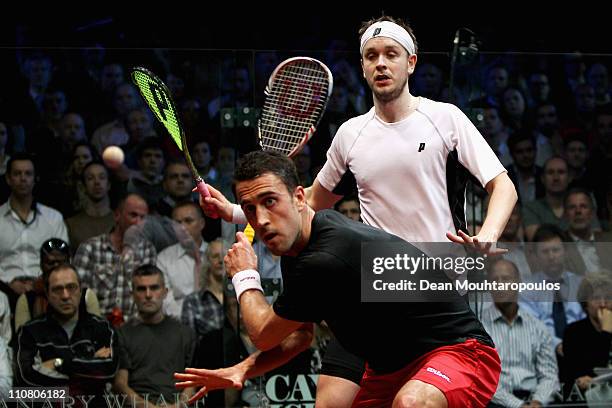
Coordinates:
x,y
202,189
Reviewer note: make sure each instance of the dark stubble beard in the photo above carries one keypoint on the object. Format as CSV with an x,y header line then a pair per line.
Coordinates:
x,y
392,95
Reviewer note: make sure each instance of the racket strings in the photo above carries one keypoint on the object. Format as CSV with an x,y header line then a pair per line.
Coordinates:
x,y
294,104
169,117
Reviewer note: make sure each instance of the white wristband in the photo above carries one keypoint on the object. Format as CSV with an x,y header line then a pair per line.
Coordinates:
x,y
238,216
245,280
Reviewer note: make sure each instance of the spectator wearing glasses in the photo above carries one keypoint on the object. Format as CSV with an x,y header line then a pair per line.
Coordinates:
x,y
53,252
67,347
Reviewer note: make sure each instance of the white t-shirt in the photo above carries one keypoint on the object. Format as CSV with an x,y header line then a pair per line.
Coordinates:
x,y
401,169
20,241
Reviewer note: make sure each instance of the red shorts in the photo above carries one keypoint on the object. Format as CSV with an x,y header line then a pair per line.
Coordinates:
x,y
467,374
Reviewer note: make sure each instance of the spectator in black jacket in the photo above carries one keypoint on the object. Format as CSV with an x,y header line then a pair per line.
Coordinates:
x,y
67,347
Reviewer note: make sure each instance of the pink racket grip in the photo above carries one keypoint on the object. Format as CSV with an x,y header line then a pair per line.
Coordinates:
x,y
202,188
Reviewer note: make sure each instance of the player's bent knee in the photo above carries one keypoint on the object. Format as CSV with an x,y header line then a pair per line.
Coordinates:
x,y
417,394
335,392
413,401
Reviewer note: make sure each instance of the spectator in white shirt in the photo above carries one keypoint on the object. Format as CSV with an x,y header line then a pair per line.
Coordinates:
x,y
181,263
25,225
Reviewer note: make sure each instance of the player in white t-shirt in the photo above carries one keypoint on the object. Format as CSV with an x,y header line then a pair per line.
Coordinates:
x,y
410,158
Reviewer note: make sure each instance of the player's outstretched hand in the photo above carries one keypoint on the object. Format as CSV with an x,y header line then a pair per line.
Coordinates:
x,y
240,256
209,380
216,205
476,243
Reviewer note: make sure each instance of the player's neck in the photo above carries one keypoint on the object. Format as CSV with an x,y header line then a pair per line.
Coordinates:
x,y
397,109
302,240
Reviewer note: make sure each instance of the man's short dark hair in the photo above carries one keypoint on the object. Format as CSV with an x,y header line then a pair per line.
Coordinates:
x,y
152,143
520,136
578,190
20,156
398,21
93,163
346,199
492,263
190,204
120,201
149,270
258,163
574,135
546,232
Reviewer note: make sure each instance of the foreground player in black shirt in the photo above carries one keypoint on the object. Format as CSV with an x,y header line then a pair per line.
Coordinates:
x,y
416,352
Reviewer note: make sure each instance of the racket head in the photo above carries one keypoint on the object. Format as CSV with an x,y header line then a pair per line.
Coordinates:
x,y
157,96
296,96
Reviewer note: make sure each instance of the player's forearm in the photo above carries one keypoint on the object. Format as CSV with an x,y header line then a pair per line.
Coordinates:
x,y
503,198
256,313
262,362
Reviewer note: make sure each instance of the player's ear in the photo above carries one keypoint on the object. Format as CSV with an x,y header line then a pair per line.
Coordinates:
x,y
412,60
299,195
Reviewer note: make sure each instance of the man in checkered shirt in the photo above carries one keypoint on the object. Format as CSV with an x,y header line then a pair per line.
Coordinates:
x,y
105,262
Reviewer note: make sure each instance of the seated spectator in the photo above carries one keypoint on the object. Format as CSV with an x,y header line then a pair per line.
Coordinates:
x,y
496,134
105,262
524,173
96,217
548,126
182,262
71,198
25,225
6,331
147,372
202,157
53,253
592,252
587,342
125,98
557,308
147,180
538,85
6,369
600,160
549,209
607,210
529,375
597,76
177,187
302,164
67,346
512,239
203,310
4,158
577,154
349,207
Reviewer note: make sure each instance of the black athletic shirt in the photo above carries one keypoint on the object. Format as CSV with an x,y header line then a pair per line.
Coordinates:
x,y
323,283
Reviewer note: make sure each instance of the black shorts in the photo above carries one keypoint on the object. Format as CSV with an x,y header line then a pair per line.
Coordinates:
x,y
337,362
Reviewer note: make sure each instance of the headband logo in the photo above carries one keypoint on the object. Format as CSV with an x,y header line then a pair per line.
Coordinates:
x,y
376,32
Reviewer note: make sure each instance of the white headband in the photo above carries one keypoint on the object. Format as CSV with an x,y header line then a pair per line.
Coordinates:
x,y
390,30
